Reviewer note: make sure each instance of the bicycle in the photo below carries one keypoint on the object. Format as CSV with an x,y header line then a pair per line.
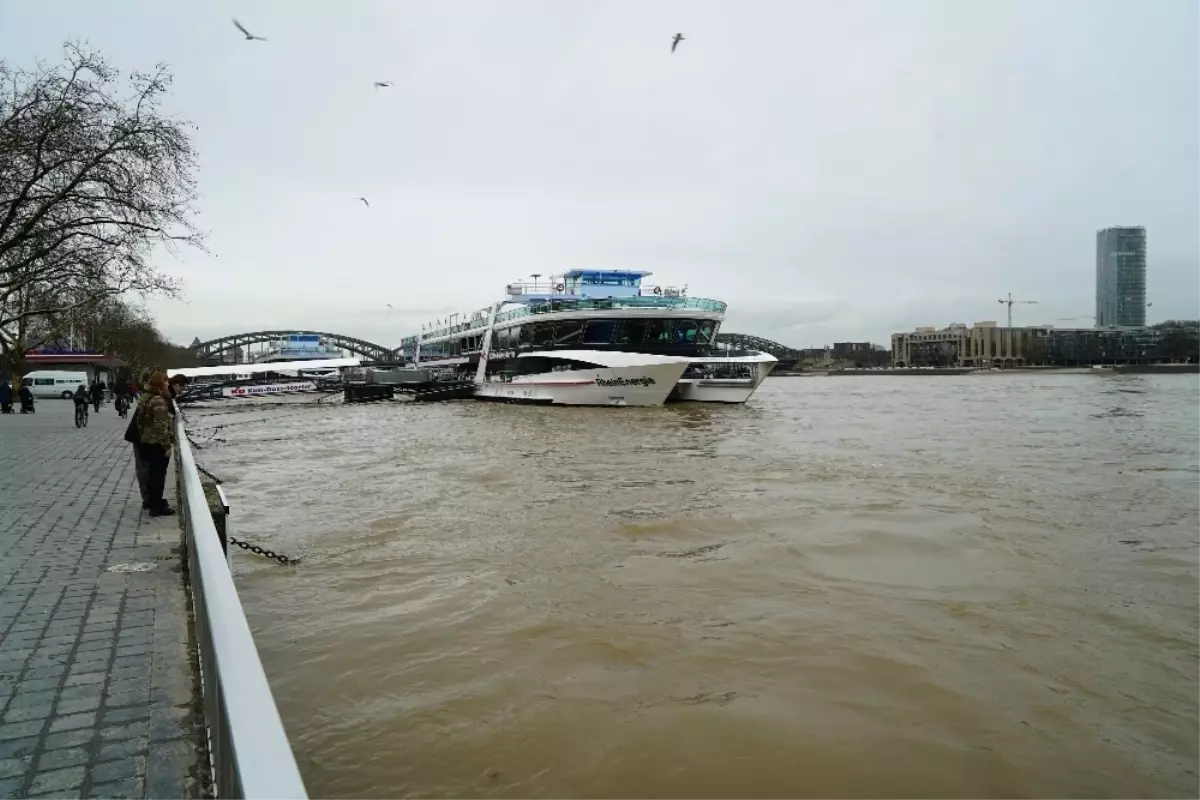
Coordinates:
x,y
81,415
122,404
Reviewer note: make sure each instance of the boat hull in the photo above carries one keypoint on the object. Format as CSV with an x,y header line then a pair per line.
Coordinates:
x,y
640,385
724,390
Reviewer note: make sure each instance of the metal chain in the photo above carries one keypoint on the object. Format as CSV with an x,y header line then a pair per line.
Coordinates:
x,y
253,548
262,551
209,474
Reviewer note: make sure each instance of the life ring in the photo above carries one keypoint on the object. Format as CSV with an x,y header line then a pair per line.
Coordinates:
x,y
558,287
658,290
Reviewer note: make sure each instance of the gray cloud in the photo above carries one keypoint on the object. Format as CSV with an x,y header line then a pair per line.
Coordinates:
x,y
834,171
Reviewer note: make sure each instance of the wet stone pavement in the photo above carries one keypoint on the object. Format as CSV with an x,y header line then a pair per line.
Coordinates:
x,y
97,682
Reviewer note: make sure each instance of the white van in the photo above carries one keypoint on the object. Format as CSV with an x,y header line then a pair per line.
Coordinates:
x,y
55,383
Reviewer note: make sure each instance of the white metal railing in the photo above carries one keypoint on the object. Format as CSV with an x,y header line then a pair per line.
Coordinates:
x,y
250,753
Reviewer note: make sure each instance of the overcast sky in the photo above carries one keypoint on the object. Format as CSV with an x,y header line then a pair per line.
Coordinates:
x,y
834,170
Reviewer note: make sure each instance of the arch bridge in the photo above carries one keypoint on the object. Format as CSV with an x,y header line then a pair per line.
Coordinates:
x,y
742,341
361,347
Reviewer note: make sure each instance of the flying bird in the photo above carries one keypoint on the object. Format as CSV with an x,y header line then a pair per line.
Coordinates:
x,y
364,201
389,305
250,37
382,84
676,41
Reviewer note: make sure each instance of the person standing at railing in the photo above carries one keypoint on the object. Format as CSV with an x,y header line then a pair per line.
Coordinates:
x,y
157,436
133,435
178,384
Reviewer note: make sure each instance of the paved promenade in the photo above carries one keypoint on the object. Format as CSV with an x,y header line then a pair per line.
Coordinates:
x,y
97,691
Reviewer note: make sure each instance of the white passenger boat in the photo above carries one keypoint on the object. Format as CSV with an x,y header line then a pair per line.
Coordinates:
x,y
591,337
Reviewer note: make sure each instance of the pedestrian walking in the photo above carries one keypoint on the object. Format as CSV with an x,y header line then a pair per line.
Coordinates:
x,y
6,396
26,395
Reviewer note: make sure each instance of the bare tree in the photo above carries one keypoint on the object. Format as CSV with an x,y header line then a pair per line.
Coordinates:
x,y
94,180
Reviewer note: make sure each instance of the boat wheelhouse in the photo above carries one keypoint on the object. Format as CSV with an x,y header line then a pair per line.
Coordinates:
x,y
596,337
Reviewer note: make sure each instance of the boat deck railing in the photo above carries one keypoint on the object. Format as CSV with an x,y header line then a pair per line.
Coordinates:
x,y
249,750
587,304
567,304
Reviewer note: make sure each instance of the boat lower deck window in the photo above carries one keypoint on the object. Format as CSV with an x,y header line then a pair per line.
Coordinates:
x,y
599,331
568,333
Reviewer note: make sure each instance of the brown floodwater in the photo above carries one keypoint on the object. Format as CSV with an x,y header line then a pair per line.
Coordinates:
x,y
983,585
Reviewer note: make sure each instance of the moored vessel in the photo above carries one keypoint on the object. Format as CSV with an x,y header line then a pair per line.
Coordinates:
x,y
591,337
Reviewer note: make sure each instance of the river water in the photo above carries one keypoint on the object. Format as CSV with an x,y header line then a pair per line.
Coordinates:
x,y
983,585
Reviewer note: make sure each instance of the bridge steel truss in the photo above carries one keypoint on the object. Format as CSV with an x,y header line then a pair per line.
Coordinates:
x,y
361,347
377,352
743,341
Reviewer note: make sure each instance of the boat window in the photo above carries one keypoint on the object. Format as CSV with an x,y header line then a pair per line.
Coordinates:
x,y
533,365
514,337
599,331
719,371
705,335
568,333
630,331
685,331
658,331
543,334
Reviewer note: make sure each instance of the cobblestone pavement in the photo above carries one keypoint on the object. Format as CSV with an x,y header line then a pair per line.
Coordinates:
x,y
96,671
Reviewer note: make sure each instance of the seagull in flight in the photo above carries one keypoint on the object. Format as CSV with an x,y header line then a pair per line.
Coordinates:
x,y
364,201
676,41
250,37
382,84
389,305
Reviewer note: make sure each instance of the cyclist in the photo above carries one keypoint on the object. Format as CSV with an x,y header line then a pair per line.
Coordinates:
x,y
81,403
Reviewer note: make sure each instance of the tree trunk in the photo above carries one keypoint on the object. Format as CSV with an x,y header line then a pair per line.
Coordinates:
x,y
12,362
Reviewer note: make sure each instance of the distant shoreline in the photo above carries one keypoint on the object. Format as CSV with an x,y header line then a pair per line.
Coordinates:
x,y
1160,369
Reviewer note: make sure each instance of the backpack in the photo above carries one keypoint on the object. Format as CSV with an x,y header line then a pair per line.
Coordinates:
x,y
133,433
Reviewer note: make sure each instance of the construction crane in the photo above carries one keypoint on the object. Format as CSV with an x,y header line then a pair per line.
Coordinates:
x,y
1009,302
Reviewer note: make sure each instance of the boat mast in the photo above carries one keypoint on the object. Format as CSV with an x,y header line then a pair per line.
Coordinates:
x,y
486,347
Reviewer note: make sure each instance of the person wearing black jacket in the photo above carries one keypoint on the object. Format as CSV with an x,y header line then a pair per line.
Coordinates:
x,y
26,395
97,393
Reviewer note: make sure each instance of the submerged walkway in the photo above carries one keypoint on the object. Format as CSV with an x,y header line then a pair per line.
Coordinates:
x,y
97,681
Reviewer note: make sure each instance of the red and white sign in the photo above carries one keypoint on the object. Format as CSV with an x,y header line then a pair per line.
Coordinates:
x,y
269,388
